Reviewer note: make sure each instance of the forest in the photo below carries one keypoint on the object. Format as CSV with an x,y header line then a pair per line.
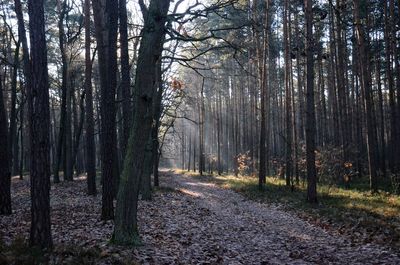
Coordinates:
x,y
199,132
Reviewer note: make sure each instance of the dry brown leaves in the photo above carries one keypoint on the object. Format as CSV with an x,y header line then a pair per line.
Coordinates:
x,y
191,222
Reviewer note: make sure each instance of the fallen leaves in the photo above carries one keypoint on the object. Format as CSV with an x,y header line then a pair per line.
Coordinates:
x,y
188,222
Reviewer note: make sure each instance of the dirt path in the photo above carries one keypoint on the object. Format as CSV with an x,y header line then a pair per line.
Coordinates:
x,y
190,222
232,230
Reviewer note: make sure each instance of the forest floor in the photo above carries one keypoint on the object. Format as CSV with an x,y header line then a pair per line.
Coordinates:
x,y
352,210
189,221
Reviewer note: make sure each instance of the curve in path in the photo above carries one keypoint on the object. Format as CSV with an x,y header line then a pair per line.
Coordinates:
x,y
211,225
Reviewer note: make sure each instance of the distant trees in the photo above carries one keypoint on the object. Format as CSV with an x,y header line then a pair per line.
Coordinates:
x,y
64,137
320,92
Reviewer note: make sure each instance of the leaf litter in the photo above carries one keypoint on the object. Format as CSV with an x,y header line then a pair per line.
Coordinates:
x,y
187,222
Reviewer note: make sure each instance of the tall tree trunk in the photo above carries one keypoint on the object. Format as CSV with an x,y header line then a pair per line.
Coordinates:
x,y
77,133
64,93
26,70
368,105
125,74
381,116
201,130
68,170
13,137
395,52
218,111
39,124
262,61
5,174
21,131
335,136
288,97
341,84
310,113
154,131
389,77
106,25
153,34
151,142
90,143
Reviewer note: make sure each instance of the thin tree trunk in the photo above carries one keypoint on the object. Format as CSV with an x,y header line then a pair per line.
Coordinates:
x,y
341,87
78,133
90,143
13,137
262,55
381,117
288,97
365,86
5,174
64,93
125,74
26,69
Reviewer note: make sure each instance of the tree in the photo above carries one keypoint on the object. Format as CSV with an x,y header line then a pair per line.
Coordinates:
x,y
367,104
262,54
90,143
125,74
26,69
106,27
288,96
310,113
151,47
39,124
64,136
5,174
13,137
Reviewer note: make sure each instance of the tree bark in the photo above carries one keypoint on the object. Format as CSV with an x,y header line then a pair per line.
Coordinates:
x,y
262,54
39,124
90,143
341,84
125,74
13,137
26,70
365,86
310,106
61,144
5,174
106,25
153,34
288,97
